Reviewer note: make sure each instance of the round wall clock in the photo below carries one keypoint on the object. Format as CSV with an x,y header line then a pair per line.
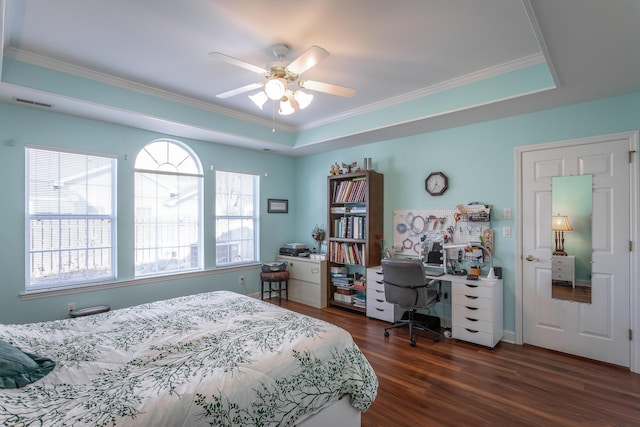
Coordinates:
x,y
436,183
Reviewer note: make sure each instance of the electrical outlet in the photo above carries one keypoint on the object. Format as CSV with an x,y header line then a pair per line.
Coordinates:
x,y
241,280
506,232
71,306
506,213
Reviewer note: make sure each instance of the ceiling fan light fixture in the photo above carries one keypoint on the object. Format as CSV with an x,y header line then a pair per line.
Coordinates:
x,y
259,99
275,88
303,99
286,107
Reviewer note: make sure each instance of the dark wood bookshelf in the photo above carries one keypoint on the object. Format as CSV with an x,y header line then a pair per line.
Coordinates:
x,y
364,201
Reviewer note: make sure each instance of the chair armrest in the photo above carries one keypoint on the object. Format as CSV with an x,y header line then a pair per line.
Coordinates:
x,y
431,283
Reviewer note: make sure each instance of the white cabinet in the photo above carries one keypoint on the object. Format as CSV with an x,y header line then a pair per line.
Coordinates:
x,y
307,280
477,311
377,306
563,269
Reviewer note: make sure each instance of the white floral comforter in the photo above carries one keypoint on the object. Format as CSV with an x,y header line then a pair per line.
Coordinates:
x,y
213,359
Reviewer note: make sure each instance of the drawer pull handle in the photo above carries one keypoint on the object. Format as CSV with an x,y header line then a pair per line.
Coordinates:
x,y
471,297
471,330
315,270
379,300
471,320
379,282
379,309
471,286
379,291
470,308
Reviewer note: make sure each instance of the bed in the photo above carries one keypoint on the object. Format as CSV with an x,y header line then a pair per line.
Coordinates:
x,y
212,359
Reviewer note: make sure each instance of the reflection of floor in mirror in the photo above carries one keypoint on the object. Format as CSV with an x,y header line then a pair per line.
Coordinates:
x,y
562,290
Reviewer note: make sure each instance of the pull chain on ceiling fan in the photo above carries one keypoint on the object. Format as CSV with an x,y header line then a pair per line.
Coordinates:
x,y
280,76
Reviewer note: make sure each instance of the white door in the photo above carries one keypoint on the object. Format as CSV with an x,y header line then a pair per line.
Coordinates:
x,y
599,330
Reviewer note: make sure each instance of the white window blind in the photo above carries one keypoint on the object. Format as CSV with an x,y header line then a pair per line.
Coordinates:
x,y
70,221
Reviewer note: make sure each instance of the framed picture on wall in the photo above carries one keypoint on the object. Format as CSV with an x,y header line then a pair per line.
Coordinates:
x,y
277,205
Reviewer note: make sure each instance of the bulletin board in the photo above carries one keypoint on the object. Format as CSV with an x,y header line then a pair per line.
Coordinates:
x,y
415,230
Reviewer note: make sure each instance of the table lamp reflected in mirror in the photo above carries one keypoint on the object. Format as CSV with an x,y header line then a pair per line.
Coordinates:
x,y
560,224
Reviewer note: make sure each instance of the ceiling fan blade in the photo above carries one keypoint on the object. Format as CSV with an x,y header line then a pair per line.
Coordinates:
x,y
308,59
238,62
329,88
240,90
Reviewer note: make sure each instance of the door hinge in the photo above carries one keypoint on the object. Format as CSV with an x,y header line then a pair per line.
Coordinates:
x,y
630,335
630,155
630,246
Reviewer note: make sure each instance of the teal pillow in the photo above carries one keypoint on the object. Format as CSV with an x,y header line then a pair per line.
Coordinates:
x,y
18,368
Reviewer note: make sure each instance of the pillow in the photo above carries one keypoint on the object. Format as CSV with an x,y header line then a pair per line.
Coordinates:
x,y
18,368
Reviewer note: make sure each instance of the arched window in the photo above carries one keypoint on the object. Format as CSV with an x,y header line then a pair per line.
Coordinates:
x,y
168,207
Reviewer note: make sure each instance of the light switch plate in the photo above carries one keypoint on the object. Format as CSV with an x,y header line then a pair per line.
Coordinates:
x,y
506,213
506,231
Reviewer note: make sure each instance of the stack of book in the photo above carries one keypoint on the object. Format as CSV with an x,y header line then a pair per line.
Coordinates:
x,y
360,300
342,280
343,285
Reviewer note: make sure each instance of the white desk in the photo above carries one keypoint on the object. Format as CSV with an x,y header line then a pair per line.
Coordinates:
x,y
476,306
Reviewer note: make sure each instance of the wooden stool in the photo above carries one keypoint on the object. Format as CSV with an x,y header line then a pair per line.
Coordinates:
x,y
279,277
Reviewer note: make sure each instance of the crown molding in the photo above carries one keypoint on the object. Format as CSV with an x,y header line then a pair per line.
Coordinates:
x,y
486,73
75,70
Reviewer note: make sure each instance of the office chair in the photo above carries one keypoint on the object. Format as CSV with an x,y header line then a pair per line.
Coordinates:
x,y
406,286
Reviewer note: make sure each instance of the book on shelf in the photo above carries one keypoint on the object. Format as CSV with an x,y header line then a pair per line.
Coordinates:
x,y
350,191
346,253
351,227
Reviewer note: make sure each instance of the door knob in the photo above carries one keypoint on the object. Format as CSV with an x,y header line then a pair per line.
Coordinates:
x,y
531,258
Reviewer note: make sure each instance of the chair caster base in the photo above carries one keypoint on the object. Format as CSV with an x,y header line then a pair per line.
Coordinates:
x,y
412,343
386,334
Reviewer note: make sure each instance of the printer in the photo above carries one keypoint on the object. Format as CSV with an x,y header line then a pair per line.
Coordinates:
x,y
295,249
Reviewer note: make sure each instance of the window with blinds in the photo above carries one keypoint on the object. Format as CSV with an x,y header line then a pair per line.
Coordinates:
x,y
236,218
70,218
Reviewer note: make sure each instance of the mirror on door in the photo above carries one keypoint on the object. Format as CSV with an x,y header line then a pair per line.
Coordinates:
x,y
572,206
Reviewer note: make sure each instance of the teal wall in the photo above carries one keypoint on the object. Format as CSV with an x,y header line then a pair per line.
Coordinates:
x,y
20,126
479,160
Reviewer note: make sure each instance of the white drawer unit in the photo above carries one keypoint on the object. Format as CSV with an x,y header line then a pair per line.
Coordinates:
x,y
477,311
377,306
307,280
563,269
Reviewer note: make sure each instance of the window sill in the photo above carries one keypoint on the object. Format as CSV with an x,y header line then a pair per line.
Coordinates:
x,y
51,292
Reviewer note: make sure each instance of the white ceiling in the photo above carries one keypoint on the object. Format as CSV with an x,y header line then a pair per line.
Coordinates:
x,y
390,52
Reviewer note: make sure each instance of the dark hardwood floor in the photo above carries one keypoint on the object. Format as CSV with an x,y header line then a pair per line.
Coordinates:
x,y
452,383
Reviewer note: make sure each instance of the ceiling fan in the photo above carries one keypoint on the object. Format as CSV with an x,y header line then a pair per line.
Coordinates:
x,y
280,75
